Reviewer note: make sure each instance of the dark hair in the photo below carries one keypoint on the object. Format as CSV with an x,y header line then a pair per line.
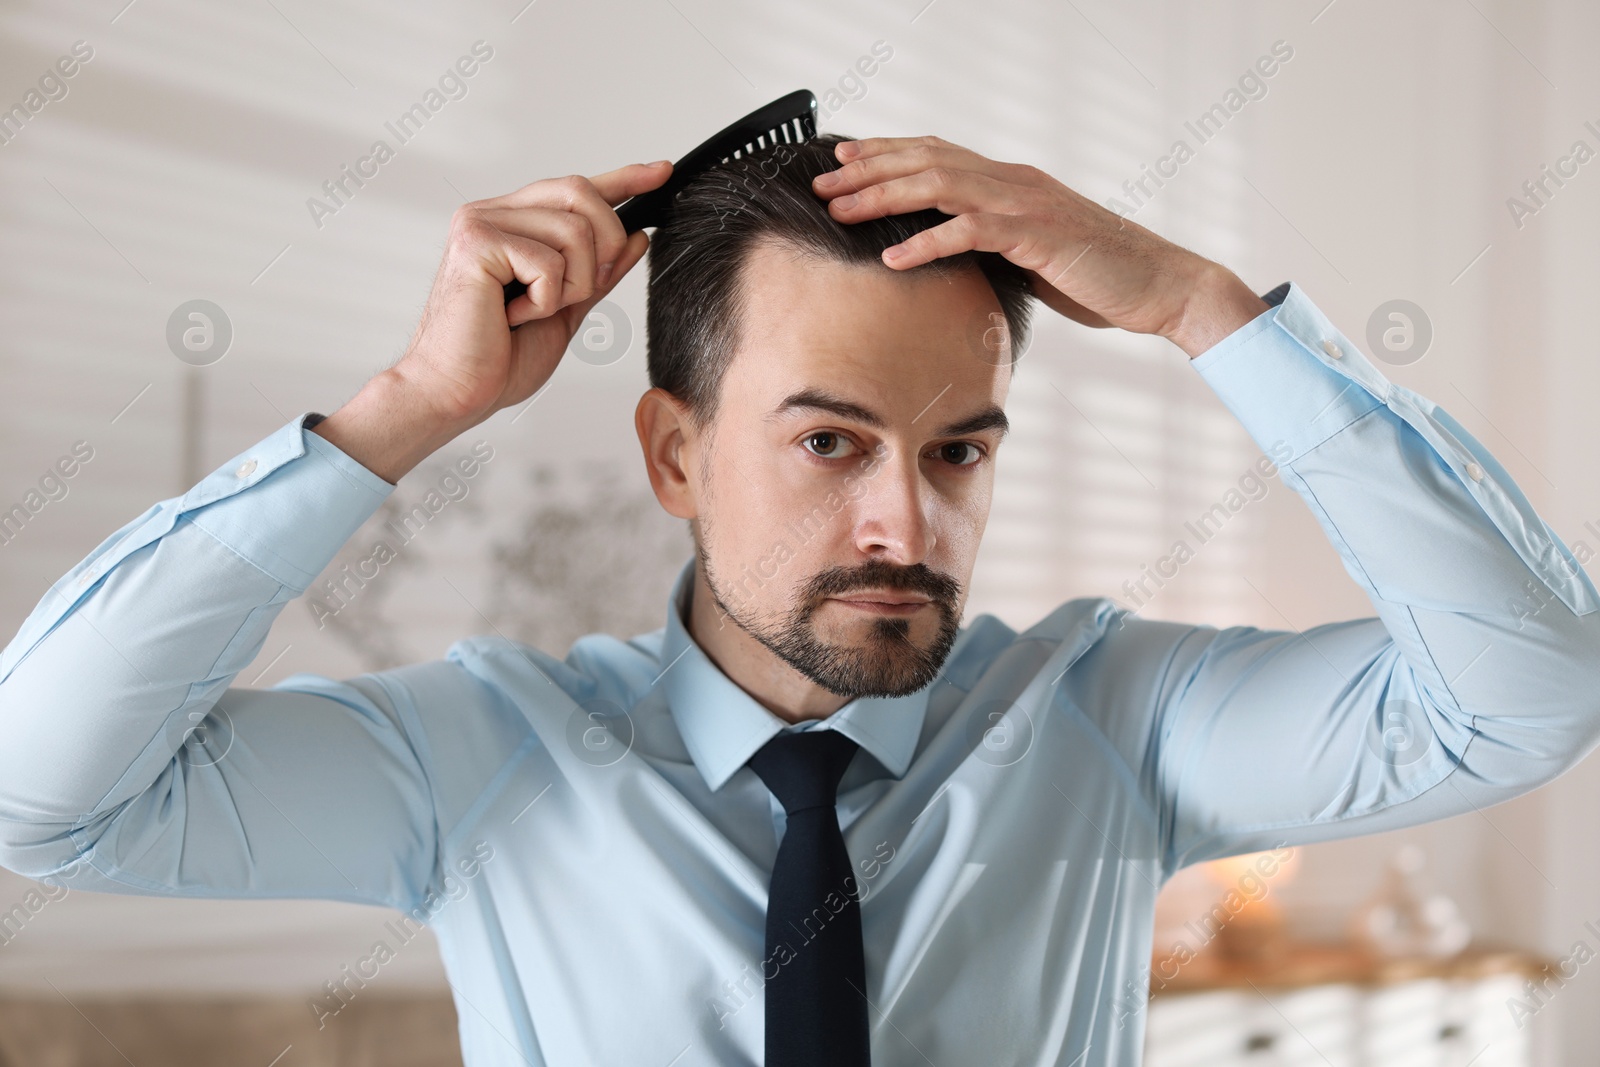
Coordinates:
x,y
694,300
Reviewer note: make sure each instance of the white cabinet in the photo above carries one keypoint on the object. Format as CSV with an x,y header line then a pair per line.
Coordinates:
x,y
1365,1020
1273,1028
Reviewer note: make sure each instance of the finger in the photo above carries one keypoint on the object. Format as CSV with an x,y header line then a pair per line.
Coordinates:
x,y
568,232
880,166
606,191
980,231
872,146
542,269
633,251
951,191
614,186
595,198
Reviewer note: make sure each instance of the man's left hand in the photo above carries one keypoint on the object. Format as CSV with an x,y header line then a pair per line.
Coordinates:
x,y
1086,262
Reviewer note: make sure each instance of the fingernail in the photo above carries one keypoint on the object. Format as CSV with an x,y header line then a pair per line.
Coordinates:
x,y
603,275
848,148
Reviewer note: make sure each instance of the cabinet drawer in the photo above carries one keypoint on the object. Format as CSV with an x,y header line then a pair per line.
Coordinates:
x,y
1426,1022
1446,1022
1312,1027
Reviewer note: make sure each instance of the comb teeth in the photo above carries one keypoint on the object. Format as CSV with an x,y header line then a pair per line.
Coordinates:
x,y
792,132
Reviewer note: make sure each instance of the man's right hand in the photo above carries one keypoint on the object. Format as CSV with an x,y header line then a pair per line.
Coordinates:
x,y
472,353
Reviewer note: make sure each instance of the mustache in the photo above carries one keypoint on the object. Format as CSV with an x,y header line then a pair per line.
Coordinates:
x,y
877,574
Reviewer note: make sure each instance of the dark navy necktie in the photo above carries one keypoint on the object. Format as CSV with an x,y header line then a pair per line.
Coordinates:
x,y
816,1005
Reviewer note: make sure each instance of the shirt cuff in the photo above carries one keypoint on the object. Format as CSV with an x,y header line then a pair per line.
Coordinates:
x,y
307,498
1291,377
1294,380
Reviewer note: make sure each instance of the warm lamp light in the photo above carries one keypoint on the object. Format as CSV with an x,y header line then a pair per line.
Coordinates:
x,y
1254,926
1227,872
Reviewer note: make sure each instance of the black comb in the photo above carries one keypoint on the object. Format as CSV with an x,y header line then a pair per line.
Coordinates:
x,y
790,119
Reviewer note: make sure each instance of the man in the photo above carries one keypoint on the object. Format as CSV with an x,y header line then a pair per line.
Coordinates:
x,y
633,855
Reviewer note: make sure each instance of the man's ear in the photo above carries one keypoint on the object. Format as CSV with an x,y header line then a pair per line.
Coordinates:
x,y
664,428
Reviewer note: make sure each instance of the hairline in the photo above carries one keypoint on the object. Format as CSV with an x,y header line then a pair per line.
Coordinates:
x,y
703,420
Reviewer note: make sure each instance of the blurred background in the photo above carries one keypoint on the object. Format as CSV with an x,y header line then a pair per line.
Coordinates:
x,y
1394,153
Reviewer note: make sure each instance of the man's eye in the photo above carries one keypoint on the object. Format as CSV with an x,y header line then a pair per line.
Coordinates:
x,y
826,444
960,453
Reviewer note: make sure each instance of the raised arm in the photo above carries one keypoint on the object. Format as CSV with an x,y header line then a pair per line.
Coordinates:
x,y
1476,682
129,765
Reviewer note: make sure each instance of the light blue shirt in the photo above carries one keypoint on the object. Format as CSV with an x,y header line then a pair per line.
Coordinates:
x,y
592,852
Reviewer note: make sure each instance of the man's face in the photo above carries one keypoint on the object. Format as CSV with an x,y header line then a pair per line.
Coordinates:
x,y
851,464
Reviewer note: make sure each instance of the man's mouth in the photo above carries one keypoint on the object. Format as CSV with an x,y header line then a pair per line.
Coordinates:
x,y
885,603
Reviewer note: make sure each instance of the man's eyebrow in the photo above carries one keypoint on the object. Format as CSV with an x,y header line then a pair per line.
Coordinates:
x,y
810,399
990,418
817,400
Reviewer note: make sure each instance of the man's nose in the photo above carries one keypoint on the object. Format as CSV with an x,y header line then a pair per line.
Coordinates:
x,y
891,513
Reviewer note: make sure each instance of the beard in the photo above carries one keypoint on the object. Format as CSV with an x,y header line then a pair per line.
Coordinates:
x,y
887,663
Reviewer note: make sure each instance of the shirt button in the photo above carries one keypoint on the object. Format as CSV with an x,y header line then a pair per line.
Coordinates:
x,y
245,468
1332,350
1474,471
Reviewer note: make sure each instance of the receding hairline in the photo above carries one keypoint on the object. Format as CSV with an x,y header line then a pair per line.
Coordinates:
x,y
769,199
784,243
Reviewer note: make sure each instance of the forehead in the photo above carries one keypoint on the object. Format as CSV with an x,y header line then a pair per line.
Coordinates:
x,y
897,341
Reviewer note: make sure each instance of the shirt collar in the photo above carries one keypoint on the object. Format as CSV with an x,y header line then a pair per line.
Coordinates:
x,y
723,726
